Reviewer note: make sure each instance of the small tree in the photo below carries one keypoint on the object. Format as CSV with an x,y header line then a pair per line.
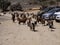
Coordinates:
x,y
58,0
42,0
16,6
4,4
52,2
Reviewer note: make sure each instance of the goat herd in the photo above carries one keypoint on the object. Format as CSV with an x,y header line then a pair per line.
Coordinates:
x,y
31,20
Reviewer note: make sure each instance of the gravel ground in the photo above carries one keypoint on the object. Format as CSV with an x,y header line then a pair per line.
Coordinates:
x,y
14,34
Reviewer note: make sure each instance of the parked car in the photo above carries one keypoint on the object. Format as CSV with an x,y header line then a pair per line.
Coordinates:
x,y
57,16
44,11
50,13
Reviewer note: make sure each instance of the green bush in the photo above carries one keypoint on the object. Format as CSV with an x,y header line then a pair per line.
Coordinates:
x,y
52,2
16,7
4,4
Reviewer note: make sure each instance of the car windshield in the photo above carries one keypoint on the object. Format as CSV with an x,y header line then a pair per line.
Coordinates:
x,y
54,10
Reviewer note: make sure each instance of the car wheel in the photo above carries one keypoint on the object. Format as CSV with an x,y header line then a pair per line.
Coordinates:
x,y
57,20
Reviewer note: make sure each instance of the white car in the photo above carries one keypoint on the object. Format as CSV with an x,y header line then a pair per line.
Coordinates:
x,y
57,16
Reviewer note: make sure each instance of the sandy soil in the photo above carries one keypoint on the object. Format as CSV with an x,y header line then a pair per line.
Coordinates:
x,y
14,34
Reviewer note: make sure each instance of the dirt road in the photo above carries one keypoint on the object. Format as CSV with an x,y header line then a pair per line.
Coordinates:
x,y
14,34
